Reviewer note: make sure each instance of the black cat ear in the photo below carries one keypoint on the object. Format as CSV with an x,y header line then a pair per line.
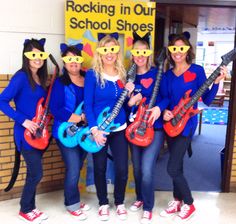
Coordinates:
x,y
136,37
42,41
171,36
145,38
187,35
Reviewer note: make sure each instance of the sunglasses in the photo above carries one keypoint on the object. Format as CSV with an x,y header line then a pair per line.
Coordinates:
x,y
70,59
32,55
181,49
106,50
145,52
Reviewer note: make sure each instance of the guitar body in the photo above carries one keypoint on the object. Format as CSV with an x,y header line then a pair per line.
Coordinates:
x,y
85,136
68,131
175,128
41,138
140,132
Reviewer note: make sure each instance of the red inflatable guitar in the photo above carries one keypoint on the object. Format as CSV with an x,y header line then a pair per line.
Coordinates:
x,y
184,110
140,132
40,139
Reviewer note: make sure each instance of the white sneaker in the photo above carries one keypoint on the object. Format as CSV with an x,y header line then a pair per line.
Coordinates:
x,y
121,212
40,214
78,214
136,206
146,218
84,207
103,212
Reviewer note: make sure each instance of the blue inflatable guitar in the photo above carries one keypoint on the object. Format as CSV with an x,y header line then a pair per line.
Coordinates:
x,y
105,119
68,131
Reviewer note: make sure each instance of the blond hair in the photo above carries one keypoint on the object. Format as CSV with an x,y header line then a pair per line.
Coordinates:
x,y
98,65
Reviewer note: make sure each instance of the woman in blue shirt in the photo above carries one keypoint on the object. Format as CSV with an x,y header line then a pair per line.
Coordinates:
x,y
67,95
184,76
103,86
144,158
28,85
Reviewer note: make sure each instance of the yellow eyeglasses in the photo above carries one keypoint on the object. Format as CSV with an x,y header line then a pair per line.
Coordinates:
x,y
144,52
32,55
181,49
70,59
106,50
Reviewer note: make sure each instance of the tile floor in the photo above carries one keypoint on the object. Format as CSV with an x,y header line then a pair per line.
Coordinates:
x,y
212,208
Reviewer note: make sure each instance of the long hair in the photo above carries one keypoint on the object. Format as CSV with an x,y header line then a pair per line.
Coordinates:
x,y
65,78
142,42
190,53
42,72
98,65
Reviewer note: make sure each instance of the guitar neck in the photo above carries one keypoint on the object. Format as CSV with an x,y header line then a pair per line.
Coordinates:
x,y
203,88
156,86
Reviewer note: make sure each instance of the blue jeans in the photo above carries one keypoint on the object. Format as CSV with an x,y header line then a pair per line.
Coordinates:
x,y
73,159
119,148
177,148
33,160
144,163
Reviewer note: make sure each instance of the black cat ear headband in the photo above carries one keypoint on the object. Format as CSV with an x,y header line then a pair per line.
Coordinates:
x,y
186,35
145,38
41,41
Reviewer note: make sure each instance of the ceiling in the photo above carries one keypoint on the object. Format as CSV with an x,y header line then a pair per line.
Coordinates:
x,y
204,18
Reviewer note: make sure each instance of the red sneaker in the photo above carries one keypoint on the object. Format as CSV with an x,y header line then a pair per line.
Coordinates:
x,y
146,218
186,212
136,206
103,212
84,207
121,212
173,207
29,217
40,214
78,214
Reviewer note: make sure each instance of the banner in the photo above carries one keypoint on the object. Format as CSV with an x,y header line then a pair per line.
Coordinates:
x,y
84,19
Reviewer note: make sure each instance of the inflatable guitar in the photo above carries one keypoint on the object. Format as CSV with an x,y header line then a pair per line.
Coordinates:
x,y
40,139
105,119
140,132
68,131
184,110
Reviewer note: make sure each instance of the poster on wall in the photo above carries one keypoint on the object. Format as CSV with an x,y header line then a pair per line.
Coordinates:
x,y
84,19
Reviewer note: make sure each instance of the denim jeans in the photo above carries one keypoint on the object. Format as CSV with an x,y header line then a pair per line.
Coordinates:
x,y
144,163
73,159
177,148
33,160
119,148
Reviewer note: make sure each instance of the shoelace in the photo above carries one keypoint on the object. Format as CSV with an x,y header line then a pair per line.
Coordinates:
x,y
30,215
172,205
184,211
104,210
146,214
36,211
137,203
78,212
121,209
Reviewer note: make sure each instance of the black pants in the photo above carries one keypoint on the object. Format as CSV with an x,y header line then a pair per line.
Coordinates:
x,y
178,146
119,148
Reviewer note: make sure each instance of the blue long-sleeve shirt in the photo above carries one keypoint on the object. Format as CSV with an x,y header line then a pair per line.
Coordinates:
x,y
97,98
147,82
26,99
63,104
192,79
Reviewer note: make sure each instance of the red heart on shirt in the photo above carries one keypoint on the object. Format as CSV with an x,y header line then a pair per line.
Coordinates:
x,y
120,84
189,76
147,82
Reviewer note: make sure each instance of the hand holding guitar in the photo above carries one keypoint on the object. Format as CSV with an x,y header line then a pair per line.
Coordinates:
x,y
168,115
223,73
30,125
99,136
155,114
130,87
